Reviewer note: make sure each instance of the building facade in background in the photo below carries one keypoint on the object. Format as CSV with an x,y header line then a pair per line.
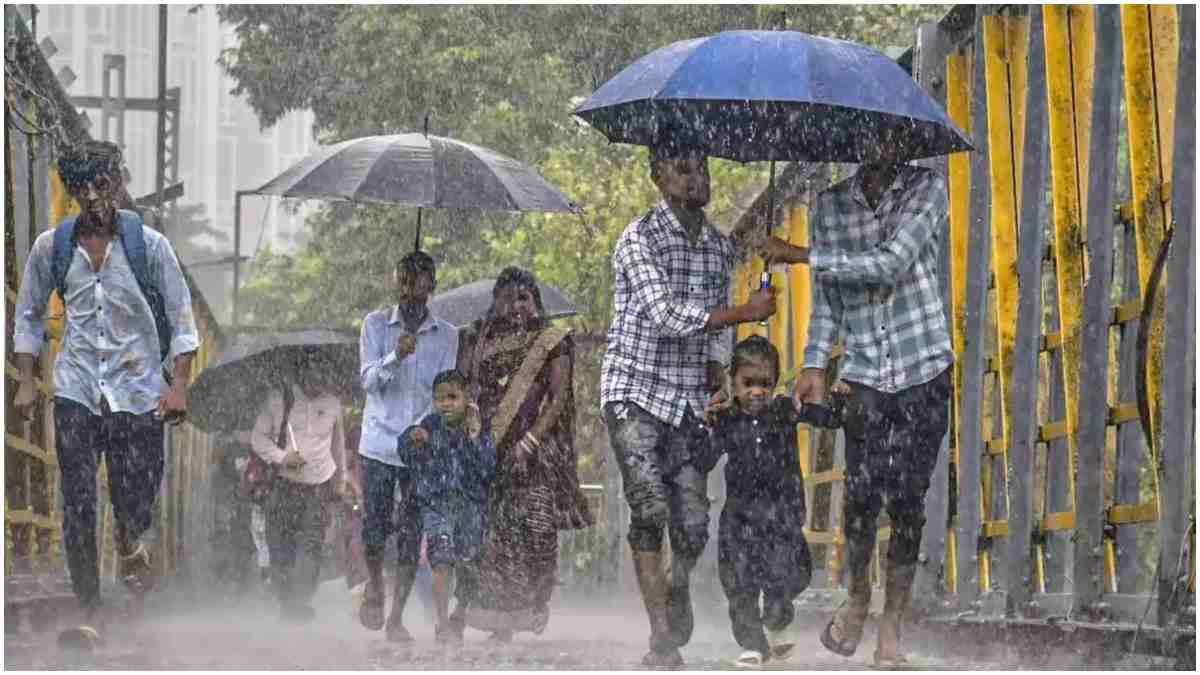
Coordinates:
x,y
221,147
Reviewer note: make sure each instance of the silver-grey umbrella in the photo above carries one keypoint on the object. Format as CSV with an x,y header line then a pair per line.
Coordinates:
x,y
419,170
460,306
227,395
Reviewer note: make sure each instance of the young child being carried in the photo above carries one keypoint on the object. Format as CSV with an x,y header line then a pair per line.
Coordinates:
x,y
453,466
761,549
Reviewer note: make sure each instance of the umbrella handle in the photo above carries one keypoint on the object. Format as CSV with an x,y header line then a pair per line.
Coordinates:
x,y
417,243
765,280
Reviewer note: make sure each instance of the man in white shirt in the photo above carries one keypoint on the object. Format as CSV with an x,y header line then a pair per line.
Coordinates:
x,y
402,349
299,433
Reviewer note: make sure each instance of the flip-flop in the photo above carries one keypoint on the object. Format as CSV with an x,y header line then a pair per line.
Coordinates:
x,y
749,660
79,639
136,572
782,650
839,647
898,662
370,612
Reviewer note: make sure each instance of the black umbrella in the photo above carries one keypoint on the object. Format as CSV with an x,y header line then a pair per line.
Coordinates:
x,y
227,395
419,170
460,306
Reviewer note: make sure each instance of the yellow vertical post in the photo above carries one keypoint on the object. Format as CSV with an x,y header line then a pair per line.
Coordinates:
x,y
1006,43
800,289
741,293
958,105
756,270
780,324
1151,51
1066,39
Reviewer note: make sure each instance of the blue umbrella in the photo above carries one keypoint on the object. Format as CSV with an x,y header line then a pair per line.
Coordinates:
x,y
771,95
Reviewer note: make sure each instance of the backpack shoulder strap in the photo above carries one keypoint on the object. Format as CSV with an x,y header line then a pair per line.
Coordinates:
x,y
133,239
63,252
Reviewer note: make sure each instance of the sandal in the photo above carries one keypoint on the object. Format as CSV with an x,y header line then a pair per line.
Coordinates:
x,y
850,633
136,573
781,651
370,612
890,663
749,660
781,645
79,639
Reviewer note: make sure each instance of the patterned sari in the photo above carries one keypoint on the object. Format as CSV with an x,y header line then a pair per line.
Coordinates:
x,y
529,503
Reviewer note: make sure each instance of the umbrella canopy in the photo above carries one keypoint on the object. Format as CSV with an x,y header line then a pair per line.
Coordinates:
x,y
460,306
771,95
419,170
227,395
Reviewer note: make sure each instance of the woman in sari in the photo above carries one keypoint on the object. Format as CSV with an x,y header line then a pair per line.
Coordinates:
x,y
521,371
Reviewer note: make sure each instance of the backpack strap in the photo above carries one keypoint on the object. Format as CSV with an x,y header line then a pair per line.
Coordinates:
x,y
63,253
133,239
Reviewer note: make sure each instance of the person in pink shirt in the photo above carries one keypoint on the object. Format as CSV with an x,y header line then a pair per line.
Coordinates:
x,y
299,434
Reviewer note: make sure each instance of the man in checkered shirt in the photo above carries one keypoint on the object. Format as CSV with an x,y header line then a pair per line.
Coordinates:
x,y
875,284
667,349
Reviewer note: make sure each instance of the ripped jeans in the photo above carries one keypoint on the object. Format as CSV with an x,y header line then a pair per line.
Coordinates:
x,y
662,484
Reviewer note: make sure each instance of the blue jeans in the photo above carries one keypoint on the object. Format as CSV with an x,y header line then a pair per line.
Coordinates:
x,y
380,481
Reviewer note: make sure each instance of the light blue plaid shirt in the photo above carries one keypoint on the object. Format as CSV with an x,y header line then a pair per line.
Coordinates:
x,y
110,344
875,281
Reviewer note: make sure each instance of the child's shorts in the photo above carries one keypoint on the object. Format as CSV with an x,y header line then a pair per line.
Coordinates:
x,y
454,530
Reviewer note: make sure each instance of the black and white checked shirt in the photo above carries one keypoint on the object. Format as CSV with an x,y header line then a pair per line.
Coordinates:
x,y
875,280
665,287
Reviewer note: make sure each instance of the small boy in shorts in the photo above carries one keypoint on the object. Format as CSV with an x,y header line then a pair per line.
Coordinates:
x,y
761,549
453,466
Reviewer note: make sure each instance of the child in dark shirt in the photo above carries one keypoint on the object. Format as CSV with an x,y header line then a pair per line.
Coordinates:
x,y
761,544
453,465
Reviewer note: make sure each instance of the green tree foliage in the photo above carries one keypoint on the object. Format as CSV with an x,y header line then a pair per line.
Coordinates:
x,y
507,78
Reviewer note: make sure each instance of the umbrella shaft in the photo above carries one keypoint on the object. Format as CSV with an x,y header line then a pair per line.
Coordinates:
x,y
417,244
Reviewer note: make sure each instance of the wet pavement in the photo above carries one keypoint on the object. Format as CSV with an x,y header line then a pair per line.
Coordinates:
x,y
247,634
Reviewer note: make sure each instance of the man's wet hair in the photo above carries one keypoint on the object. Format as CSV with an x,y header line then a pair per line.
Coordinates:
x,y
755,349
450,377
675,141
417,262
83,163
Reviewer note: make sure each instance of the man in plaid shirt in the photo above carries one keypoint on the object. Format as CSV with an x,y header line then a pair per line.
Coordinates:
x,y
875,283
667,348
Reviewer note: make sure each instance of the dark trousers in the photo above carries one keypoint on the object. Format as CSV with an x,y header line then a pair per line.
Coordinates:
x,y
761,552
379,487
297,515
132,446
892,444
